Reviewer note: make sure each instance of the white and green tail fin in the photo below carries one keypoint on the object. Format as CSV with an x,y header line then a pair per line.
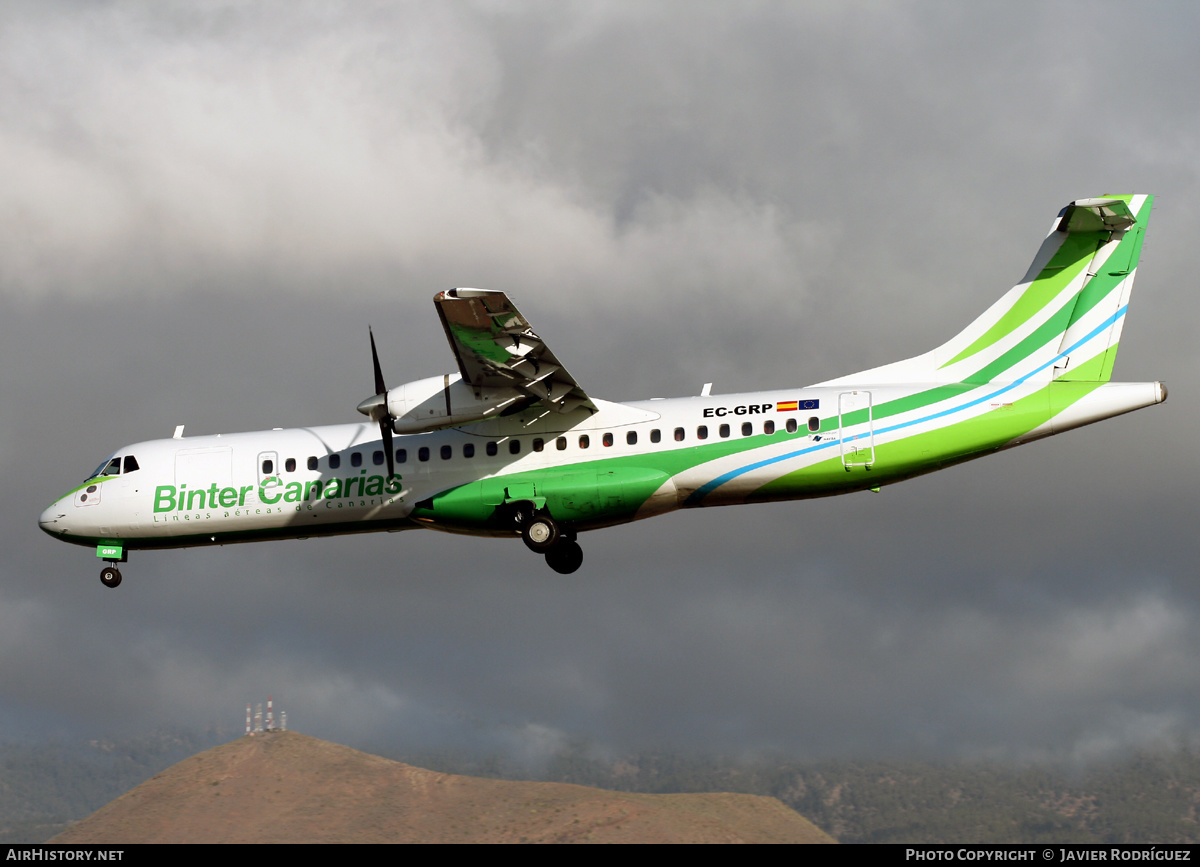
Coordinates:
x,y
1061,322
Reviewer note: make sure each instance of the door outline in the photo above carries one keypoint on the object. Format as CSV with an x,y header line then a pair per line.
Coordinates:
x,y
857,450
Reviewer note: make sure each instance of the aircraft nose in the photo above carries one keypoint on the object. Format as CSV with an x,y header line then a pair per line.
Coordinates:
x,y
51,519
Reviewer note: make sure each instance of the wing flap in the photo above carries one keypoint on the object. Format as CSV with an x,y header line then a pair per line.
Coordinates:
x,y
497,348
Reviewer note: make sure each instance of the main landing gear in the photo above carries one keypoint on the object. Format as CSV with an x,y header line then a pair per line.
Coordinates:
x,y
565,557
110,575
543,535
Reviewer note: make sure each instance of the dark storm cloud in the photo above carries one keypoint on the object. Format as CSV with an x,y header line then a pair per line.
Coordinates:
x,y
207,206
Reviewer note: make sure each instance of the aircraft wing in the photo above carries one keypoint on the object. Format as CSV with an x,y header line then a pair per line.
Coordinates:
x,y
496,348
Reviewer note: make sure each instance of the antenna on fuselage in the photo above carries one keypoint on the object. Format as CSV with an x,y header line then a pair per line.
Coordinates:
x,y
178,435
707,390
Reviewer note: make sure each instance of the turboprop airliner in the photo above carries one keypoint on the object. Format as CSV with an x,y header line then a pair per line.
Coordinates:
x,y
511,445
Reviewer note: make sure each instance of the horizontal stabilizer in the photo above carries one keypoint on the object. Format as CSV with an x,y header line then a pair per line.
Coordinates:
x,y
1096,215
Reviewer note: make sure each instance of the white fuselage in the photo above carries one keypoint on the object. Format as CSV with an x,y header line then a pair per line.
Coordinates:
x,y
221,488
632,460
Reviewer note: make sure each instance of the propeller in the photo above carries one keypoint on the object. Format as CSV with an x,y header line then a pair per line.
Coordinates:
x,y
377,408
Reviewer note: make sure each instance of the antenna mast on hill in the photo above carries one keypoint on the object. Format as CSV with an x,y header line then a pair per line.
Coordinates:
x,y
271,726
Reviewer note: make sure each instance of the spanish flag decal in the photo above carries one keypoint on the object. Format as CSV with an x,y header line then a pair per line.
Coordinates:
x,y
793,405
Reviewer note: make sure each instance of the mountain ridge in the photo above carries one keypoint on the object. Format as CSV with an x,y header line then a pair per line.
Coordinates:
x,y
286,787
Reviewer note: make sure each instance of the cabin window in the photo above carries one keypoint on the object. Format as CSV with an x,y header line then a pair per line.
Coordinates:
x,y
312,462
377,458
356,459
655,436
268,467
814,424
768,427
791,425
447,452
631,437
335,461
402,456
468,450
491,449
538,444
290,466
514,447
607,439
131,464
702,432
584,441
561,444
678,434
747,429
423,453
723,430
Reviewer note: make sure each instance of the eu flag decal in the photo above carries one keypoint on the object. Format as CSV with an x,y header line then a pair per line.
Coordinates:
x,y
794,405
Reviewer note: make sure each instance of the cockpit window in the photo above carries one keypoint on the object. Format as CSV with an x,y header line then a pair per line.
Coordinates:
x,y
131,464
110,467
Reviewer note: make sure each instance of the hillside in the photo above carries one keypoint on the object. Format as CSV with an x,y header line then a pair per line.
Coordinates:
x,y
285,787
46,785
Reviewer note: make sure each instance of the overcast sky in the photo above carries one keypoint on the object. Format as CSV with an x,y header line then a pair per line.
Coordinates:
x,y
203,206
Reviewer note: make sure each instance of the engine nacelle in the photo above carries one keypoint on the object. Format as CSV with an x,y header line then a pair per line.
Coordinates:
x,y
446,401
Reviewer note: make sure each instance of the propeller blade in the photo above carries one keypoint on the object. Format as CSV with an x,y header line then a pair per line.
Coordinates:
x,y
384,418
385,428
380,388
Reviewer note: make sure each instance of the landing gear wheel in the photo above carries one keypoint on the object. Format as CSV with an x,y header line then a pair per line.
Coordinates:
x,y
110,576
540,533
565,557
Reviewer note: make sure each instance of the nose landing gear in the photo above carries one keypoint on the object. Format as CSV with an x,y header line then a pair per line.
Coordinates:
x,y
110,575
112,553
